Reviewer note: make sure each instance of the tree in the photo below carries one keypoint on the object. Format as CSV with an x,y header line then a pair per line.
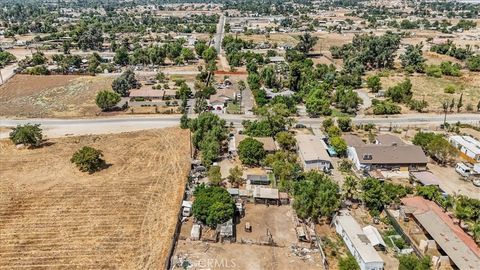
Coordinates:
x,y
27,134
473,63
306,43
373,195
316,196
121,56
184,121
214,175
213,205
125,82
401,92
88,159
460,103
107,100
208,131
286,140
209,55
431,193
250,151
412,60
38,58
442,150
285,167
374,83
349,188
235,177
348,263
92,39
344,123
412,262
339,145
200,47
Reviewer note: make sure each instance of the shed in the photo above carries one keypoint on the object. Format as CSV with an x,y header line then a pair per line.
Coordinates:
x,y
256,179
374,237
226,231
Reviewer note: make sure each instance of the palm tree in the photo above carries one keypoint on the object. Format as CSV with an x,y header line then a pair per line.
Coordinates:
x,y
350,188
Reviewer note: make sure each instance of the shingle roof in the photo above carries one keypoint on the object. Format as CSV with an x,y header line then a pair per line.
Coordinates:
x,y
353,140
268,143
400,154
387,139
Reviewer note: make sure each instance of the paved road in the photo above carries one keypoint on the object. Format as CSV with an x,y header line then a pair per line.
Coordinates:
x,y
65,127
219,35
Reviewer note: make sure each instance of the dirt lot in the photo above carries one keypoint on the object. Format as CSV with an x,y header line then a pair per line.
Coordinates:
x,y
276,219
51,96
432,89
53,216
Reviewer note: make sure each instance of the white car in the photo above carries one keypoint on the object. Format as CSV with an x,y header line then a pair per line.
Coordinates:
x,y
476,182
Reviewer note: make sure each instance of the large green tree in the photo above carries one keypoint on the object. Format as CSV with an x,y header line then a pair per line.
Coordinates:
x,y
107,100
123,84
250,151
316,196
213,205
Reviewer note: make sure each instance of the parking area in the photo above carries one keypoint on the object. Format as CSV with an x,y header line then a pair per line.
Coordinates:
x,y
451,182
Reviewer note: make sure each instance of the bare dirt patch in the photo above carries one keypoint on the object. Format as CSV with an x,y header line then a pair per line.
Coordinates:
x,y
54,217
51,96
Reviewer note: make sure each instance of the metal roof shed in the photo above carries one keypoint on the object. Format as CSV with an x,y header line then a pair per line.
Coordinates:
x,y
374,237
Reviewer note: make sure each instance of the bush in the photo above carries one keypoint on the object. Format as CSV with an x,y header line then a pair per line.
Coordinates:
x,y
386,107
418,105
374,83
344,123
450,69
348,263
88,159
473,63
27,134
339,145
434,71
450,89
107,100
38,70
212,205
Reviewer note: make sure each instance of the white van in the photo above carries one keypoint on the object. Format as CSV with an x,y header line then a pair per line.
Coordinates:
x,y
463,169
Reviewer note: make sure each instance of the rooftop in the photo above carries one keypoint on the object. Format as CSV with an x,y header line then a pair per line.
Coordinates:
x,y
353,140
268,143
427,178
399,154
265,193
468,142
387,139
311,147
358,238
457,244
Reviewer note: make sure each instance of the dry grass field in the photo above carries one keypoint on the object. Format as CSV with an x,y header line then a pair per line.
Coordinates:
x,y
53,216
432,89
51,96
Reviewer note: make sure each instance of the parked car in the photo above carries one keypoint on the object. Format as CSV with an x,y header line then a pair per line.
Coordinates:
x,y
476,182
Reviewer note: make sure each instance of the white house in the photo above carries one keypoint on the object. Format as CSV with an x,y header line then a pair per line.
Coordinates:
x,y
469,147
357,242
313,154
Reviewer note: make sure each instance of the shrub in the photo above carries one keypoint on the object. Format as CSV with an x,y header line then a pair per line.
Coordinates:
x,y
434,71
450,89
386,107
88,159
27,134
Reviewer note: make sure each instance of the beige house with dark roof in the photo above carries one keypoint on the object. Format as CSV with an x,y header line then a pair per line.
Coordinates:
x,y
388,153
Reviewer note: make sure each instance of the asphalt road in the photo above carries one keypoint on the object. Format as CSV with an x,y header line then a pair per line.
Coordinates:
x,y
70,127
219,35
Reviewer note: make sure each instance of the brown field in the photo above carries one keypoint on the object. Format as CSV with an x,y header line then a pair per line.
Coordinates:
x,y
53,216
432,89
51,96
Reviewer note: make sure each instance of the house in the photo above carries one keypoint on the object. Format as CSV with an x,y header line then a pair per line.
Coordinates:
x,y
276,59
389,140
386,154
283,93
313,153
468,146
439,227
218,101
357,242
269,144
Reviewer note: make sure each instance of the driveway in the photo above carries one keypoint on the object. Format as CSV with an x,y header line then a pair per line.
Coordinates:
x,y
451,183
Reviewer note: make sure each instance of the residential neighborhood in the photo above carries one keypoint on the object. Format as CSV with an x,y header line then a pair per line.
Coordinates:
x,y
253,134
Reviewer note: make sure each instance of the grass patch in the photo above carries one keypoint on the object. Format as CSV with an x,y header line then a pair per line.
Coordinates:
x,y
233,108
